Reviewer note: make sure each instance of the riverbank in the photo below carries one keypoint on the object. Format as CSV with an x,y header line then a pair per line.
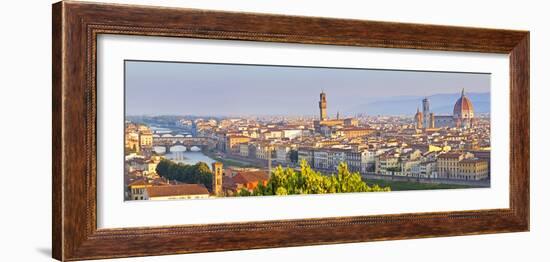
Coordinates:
x,y
404,186
395,183
227,161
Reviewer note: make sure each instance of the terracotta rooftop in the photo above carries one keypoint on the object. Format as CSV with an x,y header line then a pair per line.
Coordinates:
x,y
177,190
135,172
250,176
140,182
144,182
450,155
237,136
228,182
357,129
473,160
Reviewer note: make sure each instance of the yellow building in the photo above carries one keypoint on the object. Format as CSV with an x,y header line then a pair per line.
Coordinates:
x,y
353,132
146,139
232,143
137,189
131,141
462,166
473,169
138,138
431,148
447,165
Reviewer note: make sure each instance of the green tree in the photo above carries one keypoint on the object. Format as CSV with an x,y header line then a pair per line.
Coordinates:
x,y
193,174
308,181
244,192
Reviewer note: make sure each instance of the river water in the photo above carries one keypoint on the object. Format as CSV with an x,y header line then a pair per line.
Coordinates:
x,y
180,154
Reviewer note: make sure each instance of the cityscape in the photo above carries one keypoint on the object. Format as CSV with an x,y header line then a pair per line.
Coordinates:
x,y
438,144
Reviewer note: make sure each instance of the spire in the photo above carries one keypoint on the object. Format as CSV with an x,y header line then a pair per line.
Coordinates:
x,y
462,91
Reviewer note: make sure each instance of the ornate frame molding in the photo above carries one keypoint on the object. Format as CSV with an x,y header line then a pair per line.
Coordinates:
x,y
76,26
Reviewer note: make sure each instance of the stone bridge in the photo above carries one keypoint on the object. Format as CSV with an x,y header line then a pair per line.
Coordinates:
x,y
204,143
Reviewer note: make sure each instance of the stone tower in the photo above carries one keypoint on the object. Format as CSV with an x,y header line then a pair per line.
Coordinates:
x,y
217,174
426,112
323,106
432,120
419,119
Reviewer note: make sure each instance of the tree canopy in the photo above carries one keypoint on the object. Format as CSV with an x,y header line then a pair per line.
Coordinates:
x,y
193,174
286,181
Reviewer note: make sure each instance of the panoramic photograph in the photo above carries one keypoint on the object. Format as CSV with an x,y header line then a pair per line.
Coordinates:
x,y
212,130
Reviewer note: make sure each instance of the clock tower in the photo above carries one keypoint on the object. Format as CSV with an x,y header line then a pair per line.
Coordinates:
x,y
323,106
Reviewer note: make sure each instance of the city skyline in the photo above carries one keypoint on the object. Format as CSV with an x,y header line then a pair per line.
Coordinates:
x,y
238,90
445,145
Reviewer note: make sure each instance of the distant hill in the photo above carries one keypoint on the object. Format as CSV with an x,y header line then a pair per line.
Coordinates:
x,y
406,105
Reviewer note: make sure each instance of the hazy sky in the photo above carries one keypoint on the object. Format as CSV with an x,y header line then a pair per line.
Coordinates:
x,y
155,88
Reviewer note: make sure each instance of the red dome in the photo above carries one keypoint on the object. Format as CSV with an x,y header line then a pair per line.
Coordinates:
x,y
463,107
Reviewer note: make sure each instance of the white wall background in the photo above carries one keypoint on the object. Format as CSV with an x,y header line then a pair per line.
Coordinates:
x,y
25,121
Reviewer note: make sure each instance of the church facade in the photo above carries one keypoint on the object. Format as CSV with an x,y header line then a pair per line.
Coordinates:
x,y
462,117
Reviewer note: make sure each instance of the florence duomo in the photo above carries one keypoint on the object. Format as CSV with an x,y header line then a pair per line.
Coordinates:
x,y
462,117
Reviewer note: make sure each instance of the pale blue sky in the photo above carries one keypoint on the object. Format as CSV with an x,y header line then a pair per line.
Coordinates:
x,y
156,88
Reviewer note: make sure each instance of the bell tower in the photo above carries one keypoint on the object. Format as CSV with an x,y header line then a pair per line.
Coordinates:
x,y
323,106
419,119
217,173
426,112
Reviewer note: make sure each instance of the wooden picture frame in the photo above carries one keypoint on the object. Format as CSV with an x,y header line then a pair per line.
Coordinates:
x,y
76,26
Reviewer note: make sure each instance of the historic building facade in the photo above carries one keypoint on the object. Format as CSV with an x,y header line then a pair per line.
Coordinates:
x,y
463,166
462,117
138,138
324,124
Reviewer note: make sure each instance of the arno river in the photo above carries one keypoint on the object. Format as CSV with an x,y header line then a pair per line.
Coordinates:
x,y
181,154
